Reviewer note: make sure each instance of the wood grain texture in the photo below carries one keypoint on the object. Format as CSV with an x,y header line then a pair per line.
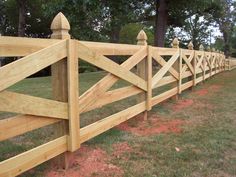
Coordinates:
x,y
73,95
97,90
113,96
25,104
158,76
26,66
22,46
112,48
105,63
29,159
105,124
18,125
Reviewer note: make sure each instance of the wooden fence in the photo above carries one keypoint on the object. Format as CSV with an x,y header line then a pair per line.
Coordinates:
x,y
182,68
231,63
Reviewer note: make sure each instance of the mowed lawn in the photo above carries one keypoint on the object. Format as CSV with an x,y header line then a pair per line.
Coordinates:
x,y
194,136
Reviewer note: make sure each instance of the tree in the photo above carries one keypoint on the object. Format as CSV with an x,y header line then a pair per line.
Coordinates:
x,y
195,29
22,17
119,13
129,32
172,13
224,15
30,22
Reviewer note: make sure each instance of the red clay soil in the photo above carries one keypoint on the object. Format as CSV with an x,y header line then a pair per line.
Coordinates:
x,y
201,92
181,104
155,125
120,149
88,162
212,88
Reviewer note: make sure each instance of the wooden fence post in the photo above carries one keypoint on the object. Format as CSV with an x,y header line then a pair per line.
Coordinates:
x,y
73,96
209,50
201,48
213,61
180,71
176,65
143,66
60,28
190,47
222,61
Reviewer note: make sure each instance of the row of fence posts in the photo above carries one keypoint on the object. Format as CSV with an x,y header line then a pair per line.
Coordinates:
x,y
60,30
142,68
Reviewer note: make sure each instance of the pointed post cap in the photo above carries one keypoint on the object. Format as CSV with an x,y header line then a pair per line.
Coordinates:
x,y
208,49
60,27
190,45
201,47
175,43
142,38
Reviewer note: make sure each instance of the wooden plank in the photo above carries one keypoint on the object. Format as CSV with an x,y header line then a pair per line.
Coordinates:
x,y
170,93
204,67
187,61
73,95
107,123
149,78
180,71
24,67
187,74
194,63
164,81
165,51
60,30
170,79
199,60
142,69
190,58
198,80
111,48
25,104
187,51
29,159
92,94
187,85
108,65
18,125
164,96
113,96
22,46
157,77
162,62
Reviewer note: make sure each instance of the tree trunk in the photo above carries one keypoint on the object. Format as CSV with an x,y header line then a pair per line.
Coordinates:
x,y
115,35
22,17
226,44
160,23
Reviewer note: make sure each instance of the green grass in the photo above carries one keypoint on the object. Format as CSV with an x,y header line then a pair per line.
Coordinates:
x,y
207,144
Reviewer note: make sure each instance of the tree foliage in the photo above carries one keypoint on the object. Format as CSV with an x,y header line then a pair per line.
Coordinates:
x,y
120,21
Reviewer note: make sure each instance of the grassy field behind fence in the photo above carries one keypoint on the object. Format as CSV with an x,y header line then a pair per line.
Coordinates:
x,y
207,143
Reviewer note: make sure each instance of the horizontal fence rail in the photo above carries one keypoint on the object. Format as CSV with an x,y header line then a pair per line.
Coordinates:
x,y
155,67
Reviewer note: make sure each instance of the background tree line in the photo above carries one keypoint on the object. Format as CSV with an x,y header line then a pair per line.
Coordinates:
x,y
120,21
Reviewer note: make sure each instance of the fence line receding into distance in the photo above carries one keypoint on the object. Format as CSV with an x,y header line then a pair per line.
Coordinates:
x,y
180,68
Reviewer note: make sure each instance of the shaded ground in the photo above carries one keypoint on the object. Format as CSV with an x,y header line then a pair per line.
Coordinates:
x,y
194,136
